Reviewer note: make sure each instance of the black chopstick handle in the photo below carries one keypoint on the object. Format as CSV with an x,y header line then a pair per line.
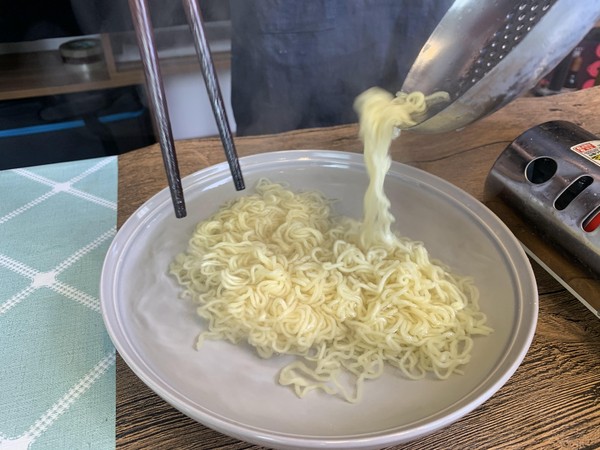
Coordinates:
x,y
156,94
194,17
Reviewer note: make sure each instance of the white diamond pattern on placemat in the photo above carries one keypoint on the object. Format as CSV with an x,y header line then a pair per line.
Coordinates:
x,y
57,364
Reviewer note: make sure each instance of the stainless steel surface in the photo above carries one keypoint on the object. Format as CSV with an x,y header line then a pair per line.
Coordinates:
x,y
487,53
194,17
535,176
158,104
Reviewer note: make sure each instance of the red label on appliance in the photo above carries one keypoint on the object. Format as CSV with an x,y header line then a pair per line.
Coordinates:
x,y
589,150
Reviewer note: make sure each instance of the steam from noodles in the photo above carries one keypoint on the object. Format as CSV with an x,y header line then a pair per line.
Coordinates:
x,y
280,271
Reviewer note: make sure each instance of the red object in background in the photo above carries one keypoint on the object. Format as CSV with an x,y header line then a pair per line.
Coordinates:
x,y
590,65
593,71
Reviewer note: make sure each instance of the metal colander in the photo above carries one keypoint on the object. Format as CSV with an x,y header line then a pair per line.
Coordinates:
x,y
486,53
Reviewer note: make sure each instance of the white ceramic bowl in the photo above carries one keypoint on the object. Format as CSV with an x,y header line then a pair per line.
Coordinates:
x,y
230,389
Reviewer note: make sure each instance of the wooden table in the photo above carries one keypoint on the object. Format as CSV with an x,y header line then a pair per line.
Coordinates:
x,y
552,401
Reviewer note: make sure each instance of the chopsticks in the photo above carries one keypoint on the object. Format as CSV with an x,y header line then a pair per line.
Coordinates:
x,y
194,17
157,100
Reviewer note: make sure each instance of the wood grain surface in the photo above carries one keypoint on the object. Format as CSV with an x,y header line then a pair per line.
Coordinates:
x,y
551,402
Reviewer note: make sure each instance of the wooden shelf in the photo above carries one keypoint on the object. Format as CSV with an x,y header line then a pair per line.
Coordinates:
x,y
36,74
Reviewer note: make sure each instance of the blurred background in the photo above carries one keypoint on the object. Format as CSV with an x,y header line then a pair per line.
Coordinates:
x,y
71,81
72,87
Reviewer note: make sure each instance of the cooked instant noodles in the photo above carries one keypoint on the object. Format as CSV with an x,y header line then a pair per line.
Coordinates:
x,y
281,271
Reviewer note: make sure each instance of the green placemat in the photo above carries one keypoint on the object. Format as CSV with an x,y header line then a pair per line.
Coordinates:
x,y
57,363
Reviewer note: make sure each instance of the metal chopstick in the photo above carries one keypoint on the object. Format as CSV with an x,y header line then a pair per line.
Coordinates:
x,y
145,38
194,18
